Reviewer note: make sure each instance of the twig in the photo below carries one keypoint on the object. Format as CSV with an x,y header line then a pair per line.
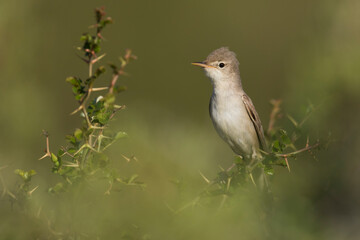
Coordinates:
x,y
99,89
90,67
31,191
48,153
287,163
273,115
291,154
113,82
206,180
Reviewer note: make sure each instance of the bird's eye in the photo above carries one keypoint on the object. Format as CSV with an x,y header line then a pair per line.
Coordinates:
x,y
221,65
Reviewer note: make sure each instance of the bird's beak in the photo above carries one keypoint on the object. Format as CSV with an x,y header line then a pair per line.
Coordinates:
x,y
202,64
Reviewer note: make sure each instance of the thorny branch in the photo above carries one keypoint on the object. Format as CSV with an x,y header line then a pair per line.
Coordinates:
x,y
47,150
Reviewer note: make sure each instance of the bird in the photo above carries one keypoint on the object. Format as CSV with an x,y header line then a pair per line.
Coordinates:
x,y
231,110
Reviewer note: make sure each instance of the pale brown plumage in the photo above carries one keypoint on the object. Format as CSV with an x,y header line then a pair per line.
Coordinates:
x,y
231,110
256,121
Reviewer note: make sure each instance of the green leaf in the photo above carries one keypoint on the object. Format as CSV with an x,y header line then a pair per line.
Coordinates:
x,y
97,40
60,152
282,162
276,146
97,48
19,172
103,117
71,150
119,135
114,68
75,90
59,187
89,80
26,176
100,71
238,160
123,61
106,21
132,178
32,173
54,158
285,139
269,170
71,139
119,89
78,134
109,100
102,157
72,80
85,37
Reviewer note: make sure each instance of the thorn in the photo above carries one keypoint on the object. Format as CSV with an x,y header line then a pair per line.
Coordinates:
x,y
94,26
228,184
287,164
252,179
95,127
85,146
292,120
121,72
46,155
70,164
119,107
98,58
68,180
221,168
31,191
47,150
11,194
100,36
76,110
170,208
107,192
85,60
99,89
202,175
128,54
126,158
65,152
264,152
307,142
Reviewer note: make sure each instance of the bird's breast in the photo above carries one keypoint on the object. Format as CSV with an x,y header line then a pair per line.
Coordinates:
x,y
233,123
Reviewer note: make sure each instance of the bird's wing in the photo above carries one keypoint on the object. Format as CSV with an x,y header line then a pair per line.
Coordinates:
x,y
256,120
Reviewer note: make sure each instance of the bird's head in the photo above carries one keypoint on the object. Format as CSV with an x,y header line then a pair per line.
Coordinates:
x,y
220,65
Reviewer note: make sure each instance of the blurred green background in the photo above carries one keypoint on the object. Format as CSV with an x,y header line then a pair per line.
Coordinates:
x,y
297,51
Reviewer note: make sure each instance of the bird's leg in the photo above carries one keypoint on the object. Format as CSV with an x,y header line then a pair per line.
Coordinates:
x,y
257,158
256,154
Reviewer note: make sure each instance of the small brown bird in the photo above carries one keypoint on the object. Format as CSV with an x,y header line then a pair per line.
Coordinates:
x,y
232,111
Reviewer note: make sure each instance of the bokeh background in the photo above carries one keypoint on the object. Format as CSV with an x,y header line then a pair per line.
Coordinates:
x,y
298,51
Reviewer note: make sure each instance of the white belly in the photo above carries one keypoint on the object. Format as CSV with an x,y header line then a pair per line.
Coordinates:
x,y
234,125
